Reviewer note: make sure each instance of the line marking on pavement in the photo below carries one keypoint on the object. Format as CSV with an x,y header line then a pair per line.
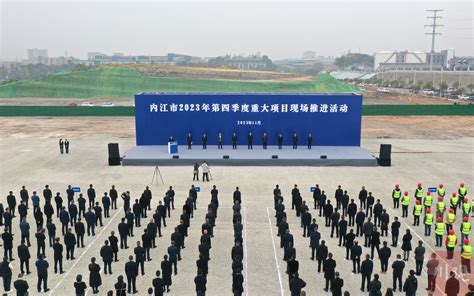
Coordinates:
x,y
275,253
245,251
119,210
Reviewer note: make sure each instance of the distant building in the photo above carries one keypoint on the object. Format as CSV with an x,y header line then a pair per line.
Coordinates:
x,y
97,58
309,55
92,55
36,55
461,64
410,60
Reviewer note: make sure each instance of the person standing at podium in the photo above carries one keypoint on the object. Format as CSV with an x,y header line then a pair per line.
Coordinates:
x,y
310,140
234,140
190,140
219,141
170,139
280,141
250,141
295,141
264,140
204,141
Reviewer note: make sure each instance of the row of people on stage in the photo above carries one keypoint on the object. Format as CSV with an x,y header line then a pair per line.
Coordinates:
x,y
250,137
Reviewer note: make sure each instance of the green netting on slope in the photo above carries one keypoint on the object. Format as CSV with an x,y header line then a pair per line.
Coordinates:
x,y
122,82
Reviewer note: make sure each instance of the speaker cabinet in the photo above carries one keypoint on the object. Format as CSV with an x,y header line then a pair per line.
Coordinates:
x,y
114,154
385,158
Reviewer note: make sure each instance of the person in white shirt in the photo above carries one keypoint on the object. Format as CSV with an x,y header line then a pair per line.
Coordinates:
x,y
205,171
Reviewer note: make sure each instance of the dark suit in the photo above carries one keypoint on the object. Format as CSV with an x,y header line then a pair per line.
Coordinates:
x,y
24,255
366,269
131,270
250,141
295,142
42,271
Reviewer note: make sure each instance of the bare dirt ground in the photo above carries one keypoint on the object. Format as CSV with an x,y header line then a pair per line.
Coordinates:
x,y
412,127
371,97
184,72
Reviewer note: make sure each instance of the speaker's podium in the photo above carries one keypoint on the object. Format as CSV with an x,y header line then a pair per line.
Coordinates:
x,y
172,147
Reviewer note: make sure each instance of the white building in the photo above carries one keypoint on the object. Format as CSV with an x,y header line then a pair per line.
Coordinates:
x,y
393,58
309,55
36,55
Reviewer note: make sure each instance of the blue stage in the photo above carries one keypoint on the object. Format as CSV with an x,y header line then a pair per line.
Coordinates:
x,y
332,120
336,156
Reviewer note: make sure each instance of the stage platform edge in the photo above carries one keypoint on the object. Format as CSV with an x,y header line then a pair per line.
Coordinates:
x,y
287,156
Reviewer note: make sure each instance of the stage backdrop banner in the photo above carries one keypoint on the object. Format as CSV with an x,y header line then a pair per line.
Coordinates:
x,y
332,119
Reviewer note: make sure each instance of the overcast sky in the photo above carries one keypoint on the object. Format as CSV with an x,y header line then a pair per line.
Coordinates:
x,y
278,29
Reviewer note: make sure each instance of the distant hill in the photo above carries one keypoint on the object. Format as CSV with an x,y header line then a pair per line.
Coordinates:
x,y
124,82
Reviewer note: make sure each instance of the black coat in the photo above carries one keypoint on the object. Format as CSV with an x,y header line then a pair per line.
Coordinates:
x,y
336,286
95,279
58,250
367,267
69,239
411,285
80,228
329,268
139,252
385,253
166,271
159,286
398,267
107,253
131,269
23,252
200,281
322,252
113,240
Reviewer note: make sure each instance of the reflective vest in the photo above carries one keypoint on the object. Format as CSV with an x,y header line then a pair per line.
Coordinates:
x,y
454,201
466,208
439,228
451,241
397,193
462,191
466,252
450,218
440,206
418,209
466,228
428,219
405,200
441,191
419,193
428,201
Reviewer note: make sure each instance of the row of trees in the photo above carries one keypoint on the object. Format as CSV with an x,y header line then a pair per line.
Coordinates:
x,y
355,61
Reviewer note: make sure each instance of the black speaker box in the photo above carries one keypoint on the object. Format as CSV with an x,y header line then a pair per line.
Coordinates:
x,y
385,158
114,154
225,156
175,156
275,156
323,157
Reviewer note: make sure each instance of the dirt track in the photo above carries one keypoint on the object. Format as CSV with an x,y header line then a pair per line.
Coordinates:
x,y
411,127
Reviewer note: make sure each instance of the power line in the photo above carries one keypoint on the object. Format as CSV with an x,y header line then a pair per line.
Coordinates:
x,y
434,25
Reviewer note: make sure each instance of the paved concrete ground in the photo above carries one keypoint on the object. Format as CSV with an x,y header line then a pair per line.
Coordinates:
x,y
36,161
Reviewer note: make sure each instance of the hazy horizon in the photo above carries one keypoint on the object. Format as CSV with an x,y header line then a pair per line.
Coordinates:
x,y
277,29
